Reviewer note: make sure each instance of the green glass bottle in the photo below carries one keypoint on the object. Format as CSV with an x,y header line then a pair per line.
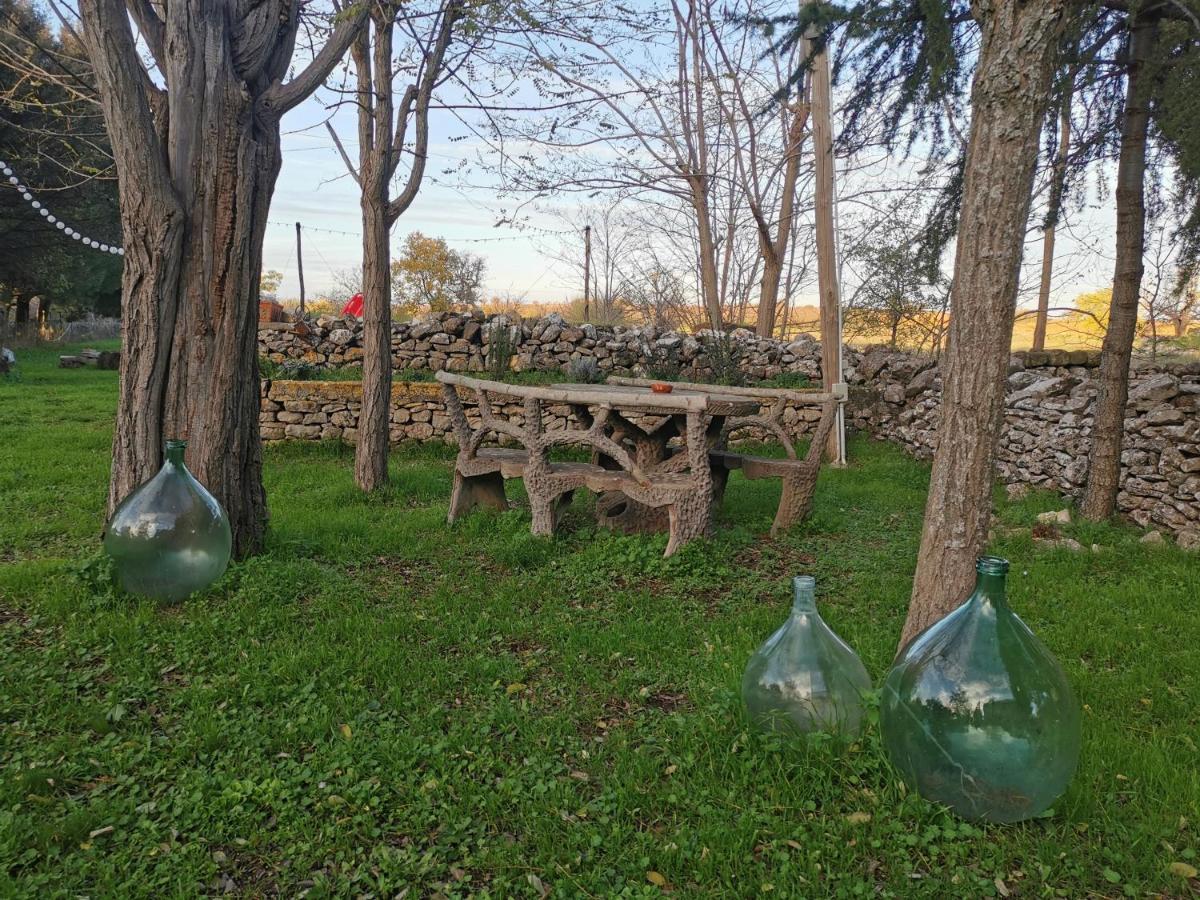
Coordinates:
x,y
805,678
170,537
978,715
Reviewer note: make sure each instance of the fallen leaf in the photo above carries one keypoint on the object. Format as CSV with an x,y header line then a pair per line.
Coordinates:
x,y
515,688
580,776
656,878
1183,870
795,845
107,829
537,885
1001,887
671,769
346,732
858,818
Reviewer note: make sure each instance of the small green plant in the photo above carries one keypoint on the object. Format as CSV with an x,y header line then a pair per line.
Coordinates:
x,y
724,359
663,363
502,347
298,370
584,370
97,578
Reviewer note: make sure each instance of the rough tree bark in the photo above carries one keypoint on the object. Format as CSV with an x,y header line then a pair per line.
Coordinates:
x,y
1053,211
197,163
1104,460
374,158
709,278
382,131
1008,100
773,248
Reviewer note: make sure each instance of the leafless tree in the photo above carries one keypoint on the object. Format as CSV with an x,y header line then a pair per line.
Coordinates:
x,y
384,140
667,107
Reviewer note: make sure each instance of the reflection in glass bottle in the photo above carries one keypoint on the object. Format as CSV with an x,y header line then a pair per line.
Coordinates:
x,y
977,714
805,678
170,537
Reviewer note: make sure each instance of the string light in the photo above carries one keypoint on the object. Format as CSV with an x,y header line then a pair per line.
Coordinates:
x,y
62,226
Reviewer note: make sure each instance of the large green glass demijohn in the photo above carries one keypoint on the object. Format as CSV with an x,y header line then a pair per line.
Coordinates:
x,y
805,678
170,537
977,714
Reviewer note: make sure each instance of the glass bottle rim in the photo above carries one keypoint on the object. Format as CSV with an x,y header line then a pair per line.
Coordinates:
x,y
175,444
991,565
804,583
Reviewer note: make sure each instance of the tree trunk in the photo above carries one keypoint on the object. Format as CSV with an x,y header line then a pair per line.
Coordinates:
x,y
1008,101
375,140
374,422
1053,212
22,315
709,277
768,296
196,164
1104,463
774,250
828,279
190,305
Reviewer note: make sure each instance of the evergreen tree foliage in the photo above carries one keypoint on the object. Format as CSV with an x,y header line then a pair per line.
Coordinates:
x,y
52,135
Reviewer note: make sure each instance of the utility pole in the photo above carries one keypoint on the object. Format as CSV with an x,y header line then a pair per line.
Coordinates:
x,y
300,267
587,272
827,263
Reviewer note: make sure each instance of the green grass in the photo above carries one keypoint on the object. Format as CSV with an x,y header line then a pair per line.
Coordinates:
x,y
380,701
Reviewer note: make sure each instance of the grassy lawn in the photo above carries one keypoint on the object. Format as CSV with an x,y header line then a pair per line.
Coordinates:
x,y
380,702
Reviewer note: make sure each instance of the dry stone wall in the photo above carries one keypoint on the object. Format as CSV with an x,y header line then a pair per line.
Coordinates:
x,y
329,410
471,342
894,396
1048,425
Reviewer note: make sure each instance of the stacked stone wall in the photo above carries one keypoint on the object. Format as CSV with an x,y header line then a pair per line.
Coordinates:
x,y
895,396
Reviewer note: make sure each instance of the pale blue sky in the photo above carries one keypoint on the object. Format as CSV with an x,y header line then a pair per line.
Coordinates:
x,y
314,189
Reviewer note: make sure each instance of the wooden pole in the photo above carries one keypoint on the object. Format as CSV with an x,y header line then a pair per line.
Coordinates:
x,y
587,272
300,267
827,263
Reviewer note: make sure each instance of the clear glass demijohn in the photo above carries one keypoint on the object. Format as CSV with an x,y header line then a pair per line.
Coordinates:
x,y
977,714
170,537
805,678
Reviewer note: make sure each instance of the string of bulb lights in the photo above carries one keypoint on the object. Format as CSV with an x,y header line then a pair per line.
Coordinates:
x,y
53,220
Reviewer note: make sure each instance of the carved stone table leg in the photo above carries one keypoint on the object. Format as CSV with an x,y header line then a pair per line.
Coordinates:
x,y
476,490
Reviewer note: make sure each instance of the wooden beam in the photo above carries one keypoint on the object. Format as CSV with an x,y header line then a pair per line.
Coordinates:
x,y
827,263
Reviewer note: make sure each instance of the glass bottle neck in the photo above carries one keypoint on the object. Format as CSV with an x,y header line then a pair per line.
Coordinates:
x,y
173,452
804,600
991,587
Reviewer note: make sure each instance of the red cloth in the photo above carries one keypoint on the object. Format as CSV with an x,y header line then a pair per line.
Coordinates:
x,y
354,307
